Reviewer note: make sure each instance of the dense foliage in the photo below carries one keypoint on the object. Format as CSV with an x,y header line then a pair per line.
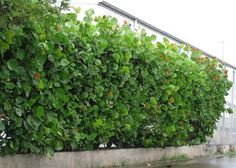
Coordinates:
x,y
72,85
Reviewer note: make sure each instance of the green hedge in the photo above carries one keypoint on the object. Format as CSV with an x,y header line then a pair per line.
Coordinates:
x,y
72,85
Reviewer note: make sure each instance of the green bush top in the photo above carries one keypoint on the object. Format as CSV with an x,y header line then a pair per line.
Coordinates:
x,y
71,85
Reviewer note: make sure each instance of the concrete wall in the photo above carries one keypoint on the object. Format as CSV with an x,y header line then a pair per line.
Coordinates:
x,y
107,158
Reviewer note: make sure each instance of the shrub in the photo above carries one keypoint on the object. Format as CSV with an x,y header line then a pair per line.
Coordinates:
x,y
70,85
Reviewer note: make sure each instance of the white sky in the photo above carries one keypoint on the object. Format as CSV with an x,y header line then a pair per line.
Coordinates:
x,y
202,23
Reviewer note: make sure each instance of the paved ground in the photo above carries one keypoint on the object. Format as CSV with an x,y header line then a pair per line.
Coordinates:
x,y
223,162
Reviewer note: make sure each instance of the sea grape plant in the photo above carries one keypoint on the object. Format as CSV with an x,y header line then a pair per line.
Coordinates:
x,y
70,85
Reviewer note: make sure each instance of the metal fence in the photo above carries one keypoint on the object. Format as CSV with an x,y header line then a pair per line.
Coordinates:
x,y
226,126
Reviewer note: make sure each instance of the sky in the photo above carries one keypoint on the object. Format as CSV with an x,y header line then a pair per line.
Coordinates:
x,y
207,24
